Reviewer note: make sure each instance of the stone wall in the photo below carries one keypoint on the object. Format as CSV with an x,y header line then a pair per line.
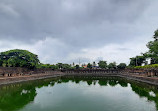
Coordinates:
x,y
10,71
17,71
140,72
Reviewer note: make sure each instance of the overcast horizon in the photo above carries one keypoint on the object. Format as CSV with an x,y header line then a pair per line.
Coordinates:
x,y
67,30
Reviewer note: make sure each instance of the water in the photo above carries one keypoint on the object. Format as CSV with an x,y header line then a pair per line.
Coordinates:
x,y
77,94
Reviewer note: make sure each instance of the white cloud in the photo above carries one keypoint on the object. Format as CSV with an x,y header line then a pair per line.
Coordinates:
x,y
113,52
49,50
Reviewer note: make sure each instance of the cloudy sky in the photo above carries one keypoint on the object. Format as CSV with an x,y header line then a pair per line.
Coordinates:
x,y
69,30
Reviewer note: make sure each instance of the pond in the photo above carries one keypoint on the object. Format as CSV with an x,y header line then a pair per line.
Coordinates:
x,y
78,94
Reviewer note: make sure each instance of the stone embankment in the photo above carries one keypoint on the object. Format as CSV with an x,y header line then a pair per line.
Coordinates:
x,y
149,76
23,78
12,75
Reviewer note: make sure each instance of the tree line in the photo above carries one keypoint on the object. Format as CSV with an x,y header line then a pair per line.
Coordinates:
x,y
24,58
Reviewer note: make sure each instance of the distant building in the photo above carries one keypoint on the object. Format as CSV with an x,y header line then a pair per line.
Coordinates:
x,y
84,66
146,62
95,67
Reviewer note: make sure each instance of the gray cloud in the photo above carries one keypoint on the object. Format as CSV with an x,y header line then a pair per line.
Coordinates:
x,y
66,18
76,24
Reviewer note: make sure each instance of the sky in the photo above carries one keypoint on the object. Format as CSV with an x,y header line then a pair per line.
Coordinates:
x,y
71,30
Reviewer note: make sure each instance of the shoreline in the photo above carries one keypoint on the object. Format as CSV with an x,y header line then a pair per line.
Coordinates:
x,y
25,78
18,79
147,80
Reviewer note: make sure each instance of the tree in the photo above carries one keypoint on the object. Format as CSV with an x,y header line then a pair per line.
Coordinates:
x,y
12,62
73,64
54,67
77,66
89,65
59,65
63,66
19,58
112,65
137,61
155,36
121,66
66,66
1,62
153,48
102,64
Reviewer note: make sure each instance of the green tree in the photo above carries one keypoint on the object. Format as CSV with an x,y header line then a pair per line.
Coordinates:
x,y
19,58
112,65
137,61
102,64
153,48
12,62
41,65
66,66
89,65
73,64
59,65
155,36
54,67
121,66
1,62
77,66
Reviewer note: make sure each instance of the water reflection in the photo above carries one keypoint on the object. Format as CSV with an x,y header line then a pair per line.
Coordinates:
x,y
16,96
